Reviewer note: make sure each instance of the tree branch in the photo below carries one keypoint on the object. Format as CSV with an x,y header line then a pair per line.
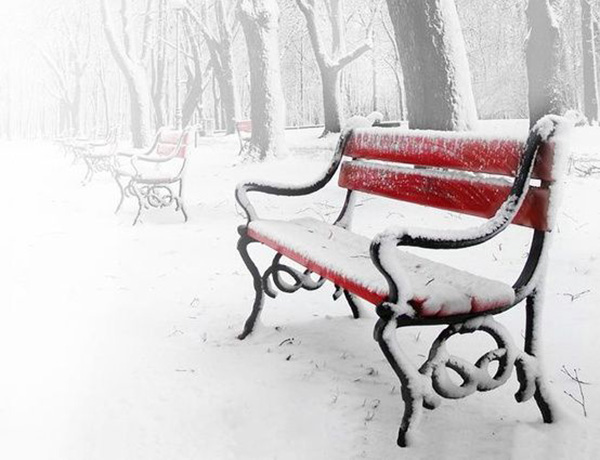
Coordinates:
x,y
117,50
353,55
208,35
146,32
125,25
308,10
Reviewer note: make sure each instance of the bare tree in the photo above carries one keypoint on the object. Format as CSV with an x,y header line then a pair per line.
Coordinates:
x,y
68,59
131,65
590,83
198,80
220,47
436,69
5,104
259,20
104,92
158,62
545,56
395,64
331,62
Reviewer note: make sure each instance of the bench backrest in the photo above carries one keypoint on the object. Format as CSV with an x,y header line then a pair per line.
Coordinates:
x,y
244,126
454,171
169,139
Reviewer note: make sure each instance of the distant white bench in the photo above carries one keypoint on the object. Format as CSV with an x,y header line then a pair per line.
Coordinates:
x,y
450,171
154,176
96,154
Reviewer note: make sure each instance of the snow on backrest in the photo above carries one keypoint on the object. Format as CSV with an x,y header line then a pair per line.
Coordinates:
x,y
445,187
451,150
169,140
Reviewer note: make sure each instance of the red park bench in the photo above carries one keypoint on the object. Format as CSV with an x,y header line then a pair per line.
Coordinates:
x,y
244,131
451,171
154,176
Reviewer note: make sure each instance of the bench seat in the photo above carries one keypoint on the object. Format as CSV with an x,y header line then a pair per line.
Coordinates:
x,y
343,258
151,173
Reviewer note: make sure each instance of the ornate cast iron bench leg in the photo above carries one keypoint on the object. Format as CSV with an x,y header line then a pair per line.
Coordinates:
x,y
121,190
271,282
259,298
540,394
137,194
89,174
179,201
411,381
354,303
418,387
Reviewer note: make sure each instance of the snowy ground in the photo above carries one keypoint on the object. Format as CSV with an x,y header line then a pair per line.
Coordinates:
x,y
118,342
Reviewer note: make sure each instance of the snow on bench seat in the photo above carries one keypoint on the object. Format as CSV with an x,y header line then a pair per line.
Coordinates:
x,y
343,258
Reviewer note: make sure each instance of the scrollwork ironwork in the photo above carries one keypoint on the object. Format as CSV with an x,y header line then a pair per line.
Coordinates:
x,y
157,196
301,279
476,377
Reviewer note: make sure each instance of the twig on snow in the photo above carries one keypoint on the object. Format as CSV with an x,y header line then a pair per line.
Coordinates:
x,y
574,297
580,383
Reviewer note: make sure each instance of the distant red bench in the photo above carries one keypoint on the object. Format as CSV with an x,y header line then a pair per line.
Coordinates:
x,y
154,175
244,131
505,181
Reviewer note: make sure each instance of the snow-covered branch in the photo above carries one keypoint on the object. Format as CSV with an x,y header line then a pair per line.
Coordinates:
x,y
354,54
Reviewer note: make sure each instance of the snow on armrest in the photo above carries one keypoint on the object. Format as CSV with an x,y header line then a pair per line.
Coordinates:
x,y
276,188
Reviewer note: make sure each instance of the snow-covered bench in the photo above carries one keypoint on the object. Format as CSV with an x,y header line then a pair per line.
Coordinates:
x,y
154,175
96,154
244,132
456,172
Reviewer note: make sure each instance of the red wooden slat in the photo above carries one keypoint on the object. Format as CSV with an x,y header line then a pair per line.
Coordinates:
x,y
447,150
474,196
168,141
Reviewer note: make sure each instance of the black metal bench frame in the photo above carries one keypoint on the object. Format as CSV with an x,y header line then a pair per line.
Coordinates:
x,y
422,386
152,192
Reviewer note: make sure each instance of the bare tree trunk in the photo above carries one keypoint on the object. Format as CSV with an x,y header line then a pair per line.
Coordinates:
x,y
331,63
63,117
259,20
331,99
227,88
596,28
220,47
102,81
140,103
544,56
135,76
158,65
435,66
76,106
195,82
8,107
374,105
590,84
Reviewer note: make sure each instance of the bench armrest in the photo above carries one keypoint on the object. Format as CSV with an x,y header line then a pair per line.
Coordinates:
x,y
273,188
386,242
